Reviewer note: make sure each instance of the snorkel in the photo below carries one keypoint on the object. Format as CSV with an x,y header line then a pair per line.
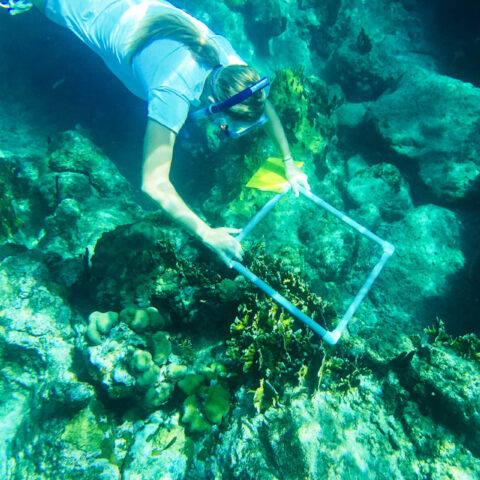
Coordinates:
x,y
231,127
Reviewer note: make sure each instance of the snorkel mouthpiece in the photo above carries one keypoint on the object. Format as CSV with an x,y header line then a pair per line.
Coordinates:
x,y
235,128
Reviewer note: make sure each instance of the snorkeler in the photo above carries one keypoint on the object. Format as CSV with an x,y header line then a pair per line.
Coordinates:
x,y
185,72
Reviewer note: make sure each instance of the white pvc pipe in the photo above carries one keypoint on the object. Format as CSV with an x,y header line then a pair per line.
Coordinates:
x,y
330,337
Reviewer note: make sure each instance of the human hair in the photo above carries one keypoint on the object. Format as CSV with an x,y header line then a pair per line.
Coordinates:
x,y
235,78
231,80
174,27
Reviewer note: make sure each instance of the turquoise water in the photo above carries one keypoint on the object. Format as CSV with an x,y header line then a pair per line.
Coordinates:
x,y
193,373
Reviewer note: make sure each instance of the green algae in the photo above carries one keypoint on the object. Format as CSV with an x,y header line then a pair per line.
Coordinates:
x,y
266,342
9,222
466,346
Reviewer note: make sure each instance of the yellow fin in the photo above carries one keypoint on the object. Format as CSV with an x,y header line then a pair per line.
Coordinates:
x,y
270,176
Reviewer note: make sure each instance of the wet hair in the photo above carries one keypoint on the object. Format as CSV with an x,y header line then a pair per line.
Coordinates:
x,y
231,80
235,78
174,27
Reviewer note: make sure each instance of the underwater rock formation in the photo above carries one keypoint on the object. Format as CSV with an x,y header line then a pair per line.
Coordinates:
x,y
160,448
442,141
128,352
383,187
428,242
39,384
84,195
64,201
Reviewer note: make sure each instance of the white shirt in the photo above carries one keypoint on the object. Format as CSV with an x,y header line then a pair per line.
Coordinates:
x,y
164,73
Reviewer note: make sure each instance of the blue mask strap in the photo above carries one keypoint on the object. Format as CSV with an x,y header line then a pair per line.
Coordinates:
x,y
229,102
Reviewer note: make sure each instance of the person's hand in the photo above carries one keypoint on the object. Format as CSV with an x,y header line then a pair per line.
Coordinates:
x,y
220,240
295,176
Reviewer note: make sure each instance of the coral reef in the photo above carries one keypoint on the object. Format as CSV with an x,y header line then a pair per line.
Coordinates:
x,y
441,377
161,266
160,447
304,105
127,354
9,221
115,325
466,346
206,407
266,341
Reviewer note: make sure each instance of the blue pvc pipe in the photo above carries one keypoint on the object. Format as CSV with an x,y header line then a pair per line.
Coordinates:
x,y
340,215
279,298
363,291
259,215
333,336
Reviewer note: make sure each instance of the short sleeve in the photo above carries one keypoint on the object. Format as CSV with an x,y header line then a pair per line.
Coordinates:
x,y
168,108
228,56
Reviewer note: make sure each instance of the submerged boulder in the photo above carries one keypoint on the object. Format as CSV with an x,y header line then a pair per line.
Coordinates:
x,y
443,138
428,259
445,386
86,196
383,186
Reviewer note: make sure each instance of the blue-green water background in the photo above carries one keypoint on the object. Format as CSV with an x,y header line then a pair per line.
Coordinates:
x,y
59,81
50,82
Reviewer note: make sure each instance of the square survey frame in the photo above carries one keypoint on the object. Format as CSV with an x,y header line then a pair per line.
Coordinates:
x,y
333,336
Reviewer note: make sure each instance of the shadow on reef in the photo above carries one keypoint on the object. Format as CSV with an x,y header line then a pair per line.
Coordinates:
x,y
454,29
164,268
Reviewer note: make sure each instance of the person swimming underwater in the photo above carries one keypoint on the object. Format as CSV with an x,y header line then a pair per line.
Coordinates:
x,y
184,71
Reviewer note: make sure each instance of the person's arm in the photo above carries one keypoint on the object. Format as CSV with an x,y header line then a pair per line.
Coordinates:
x,y
158,151
275,131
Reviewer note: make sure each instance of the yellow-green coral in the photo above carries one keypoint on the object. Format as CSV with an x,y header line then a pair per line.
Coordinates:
x,y
193,417
466,346
206,406
141,360
161,347
217,404
301,102
190,383
136,318
265,340
9,222
99,324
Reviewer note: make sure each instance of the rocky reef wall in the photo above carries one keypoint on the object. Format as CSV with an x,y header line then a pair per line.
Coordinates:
x,y
127,351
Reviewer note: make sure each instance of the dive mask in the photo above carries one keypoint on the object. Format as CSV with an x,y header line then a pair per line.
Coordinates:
x,y
232,128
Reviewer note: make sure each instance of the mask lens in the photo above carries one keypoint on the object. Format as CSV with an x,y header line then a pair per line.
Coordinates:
x,y
236,128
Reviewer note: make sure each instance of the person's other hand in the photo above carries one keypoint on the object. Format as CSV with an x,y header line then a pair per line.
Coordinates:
x,y
295,177
220,240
